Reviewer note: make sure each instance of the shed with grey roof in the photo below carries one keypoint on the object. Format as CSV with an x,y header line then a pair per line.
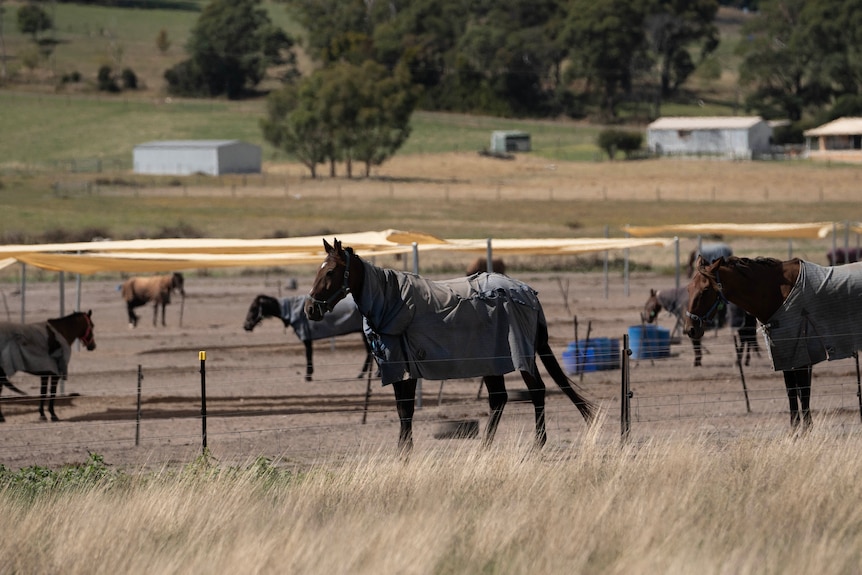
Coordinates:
x,y
726,136
185,157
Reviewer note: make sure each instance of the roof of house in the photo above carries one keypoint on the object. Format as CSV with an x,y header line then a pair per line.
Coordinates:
x,y
705,123
839,127
197,144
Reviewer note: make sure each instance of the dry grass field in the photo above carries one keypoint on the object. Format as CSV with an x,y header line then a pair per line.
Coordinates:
x,y
303,478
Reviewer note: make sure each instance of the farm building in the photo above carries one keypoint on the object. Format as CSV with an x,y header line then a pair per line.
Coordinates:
x,y
503,141
839,140
185,157
730,136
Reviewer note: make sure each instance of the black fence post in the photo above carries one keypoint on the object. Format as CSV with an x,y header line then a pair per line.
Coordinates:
x,y
203,357
138,414
625,391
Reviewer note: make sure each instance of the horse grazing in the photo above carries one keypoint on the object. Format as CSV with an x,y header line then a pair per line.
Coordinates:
x,y
841,256
674,301
43,349
480,265
138,291
808,313
344,319
483,325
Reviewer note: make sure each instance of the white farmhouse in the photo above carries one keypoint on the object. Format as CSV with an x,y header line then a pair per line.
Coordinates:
x,y
839,140
185,157
727,136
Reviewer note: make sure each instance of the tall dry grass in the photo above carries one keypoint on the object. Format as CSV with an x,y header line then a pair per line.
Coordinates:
x,y
686,504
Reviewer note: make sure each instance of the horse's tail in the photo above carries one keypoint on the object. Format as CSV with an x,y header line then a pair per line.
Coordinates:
x,y
11,386
587,408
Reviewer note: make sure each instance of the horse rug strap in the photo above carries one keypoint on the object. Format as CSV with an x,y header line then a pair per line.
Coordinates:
x,y
484,324
25,347
342,320
819,320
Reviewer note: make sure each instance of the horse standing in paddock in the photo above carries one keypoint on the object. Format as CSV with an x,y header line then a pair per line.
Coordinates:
x,y
674,301
746,329
484,325
481,265
138,291
344,319
43,349
808,313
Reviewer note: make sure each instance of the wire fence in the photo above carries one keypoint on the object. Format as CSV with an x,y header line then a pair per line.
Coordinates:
x,y
247,416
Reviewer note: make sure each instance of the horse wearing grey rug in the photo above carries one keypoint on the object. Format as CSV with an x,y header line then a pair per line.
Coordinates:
x,y
483,325
138,291
44,349
808,313
343,320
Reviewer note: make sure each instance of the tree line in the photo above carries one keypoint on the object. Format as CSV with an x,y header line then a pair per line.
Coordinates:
x,y
375,62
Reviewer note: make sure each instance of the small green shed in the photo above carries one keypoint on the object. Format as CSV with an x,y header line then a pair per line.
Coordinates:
x,y
503,141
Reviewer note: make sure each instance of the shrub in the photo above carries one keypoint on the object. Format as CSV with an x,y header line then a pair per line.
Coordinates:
x,y
130,79
612,141
106,80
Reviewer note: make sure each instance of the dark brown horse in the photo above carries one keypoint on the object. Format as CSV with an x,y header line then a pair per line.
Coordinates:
x,y
344,319
481,265
486,325
803,309
138,291
43,349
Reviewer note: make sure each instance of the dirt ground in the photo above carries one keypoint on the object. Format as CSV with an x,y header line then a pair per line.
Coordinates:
x,y
258,403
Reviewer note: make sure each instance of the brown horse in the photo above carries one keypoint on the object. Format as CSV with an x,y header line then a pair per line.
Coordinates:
x,y
43,349
808,313
481,265
485,325
138,291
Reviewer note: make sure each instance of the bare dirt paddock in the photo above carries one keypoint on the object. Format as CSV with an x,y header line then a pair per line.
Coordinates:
x,y
258,403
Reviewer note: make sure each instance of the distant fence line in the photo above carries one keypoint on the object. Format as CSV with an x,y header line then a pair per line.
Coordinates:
x,y
274,186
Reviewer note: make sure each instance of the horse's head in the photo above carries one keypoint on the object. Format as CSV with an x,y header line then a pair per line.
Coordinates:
x,y
254,315
178,283
86,333
652,307
704,296
332,282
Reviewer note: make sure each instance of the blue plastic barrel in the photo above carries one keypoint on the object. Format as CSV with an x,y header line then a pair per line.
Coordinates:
x,y
649,341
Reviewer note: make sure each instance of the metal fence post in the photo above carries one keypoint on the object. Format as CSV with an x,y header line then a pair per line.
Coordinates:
x,y
625,391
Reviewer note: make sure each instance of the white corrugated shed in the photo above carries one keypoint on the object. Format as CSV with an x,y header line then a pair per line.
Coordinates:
x,y
186,157
730,136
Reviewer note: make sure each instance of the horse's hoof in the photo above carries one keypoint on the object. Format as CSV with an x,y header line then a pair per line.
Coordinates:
x,y
307,378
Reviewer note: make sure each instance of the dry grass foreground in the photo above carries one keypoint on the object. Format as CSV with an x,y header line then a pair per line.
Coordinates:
x,y
677,505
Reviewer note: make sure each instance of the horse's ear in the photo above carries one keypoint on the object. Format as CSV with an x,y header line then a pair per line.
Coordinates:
x,y
337,245
327,247
90,313
652,293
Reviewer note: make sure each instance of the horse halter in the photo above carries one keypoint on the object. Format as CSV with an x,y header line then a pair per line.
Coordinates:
x,y
701,319
88,338
323,306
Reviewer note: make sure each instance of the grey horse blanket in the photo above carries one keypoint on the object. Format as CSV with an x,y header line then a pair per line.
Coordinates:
x,y
483,324
819,320
342,320
25,347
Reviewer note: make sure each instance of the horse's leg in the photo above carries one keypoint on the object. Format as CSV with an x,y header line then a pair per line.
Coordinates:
x,y
792,396
163,314
156,314
43,391
698,351
133,317
497,398
537,396
405,395
366,367
804,386
309,364
54,379
3,381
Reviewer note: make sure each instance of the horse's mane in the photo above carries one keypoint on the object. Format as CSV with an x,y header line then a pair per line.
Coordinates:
x,y
746,267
